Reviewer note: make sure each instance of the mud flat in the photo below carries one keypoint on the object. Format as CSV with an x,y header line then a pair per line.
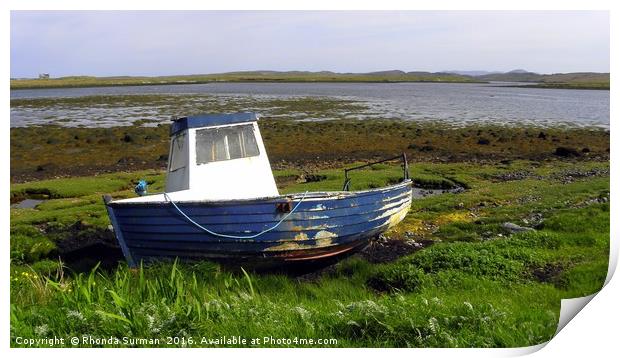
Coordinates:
x,y
53,151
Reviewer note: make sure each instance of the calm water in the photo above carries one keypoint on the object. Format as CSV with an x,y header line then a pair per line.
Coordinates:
x,y
452,103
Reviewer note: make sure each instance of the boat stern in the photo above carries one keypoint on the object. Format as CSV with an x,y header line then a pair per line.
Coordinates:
x,y
107,199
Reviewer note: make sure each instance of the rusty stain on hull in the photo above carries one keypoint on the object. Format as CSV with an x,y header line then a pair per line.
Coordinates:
x,y
301,236
322,256
292,245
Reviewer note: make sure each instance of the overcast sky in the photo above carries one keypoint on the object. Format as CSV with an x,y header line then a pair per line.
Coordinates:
x,y
106,43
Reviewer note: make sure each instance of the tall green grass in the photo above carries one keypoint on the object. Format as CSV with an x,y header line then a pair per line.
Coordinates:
x,y
476,286
450,294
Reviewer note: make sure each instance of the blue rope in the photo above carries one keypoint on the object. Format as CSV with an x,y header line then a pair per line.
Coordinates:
x,y
234,236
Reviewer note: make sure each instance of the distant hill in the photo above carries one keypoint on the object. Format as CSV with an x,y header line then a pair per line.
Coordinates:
x,y
512,76
519,71
575,79
243,76
558,80
387,73
581,77
471,73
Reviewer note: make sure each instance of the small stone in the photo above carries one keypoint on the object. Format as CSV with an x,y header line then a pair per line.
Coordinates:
x,y
514,228
566,152
127,138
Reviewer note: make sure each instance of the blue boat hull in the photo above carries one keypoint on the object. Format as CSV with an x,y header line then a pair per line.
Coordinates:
x,y
324,226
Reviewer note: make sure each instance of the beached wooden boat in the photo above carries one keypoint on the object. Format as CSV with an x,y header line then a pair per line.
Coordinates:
x,y
221,203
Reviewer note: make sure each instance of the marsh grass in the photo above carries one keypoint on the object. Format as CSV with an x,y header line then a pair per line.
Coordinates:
x,y
476,286
247,76
47,151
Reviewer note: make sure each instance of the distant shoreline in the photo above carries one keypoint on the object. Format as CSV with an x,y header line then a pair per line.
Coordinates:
x,y
167,83
47,84
585,86
577,80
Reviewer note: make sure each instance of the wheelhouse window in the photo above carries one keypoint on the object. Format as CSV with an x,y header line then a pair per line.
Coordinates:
x,y
178,158
225,143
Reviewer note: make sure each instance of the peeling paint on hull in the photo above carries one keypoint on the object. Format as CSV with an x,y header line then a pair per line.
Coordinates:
x,y
345,223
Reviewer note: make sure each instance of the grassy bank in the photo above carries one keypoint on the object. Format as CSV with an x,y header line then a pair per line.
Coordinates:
x,y
578,85
577,80
452,274
249,76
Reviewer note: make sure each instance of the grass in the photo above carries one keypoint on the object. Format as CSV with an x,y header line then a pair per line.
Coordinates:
x,y
249,76
477,285
559,80
575,80
577,85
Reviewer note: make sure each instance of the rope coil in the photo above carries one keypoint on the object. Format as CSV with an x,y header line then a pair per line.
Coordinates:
x,y
235,236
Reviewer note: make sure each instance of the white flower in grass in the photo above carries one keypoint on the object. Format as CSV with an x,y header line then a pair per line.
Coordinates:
x,y
244,296
450,339
75,315
304,313
366,306
153,323
469,305
170,320
41,330
433,325
353,323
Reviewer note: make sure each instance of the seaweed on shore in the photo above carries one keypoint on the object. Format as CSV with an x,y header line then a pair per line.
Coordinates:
x,y
53,151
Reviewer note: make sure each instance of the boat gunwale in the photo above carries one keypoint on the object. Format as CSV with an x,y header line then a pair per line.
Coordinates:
x,y
331,195
311,211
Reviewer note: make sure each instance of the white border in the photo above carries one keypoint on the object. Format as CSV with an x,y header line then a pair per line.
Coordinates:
x,y
594,330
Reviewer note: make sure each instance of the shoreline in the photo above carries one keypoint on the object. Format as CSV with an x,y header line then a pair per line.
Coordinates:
x,y
13,88
43,152
543,85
